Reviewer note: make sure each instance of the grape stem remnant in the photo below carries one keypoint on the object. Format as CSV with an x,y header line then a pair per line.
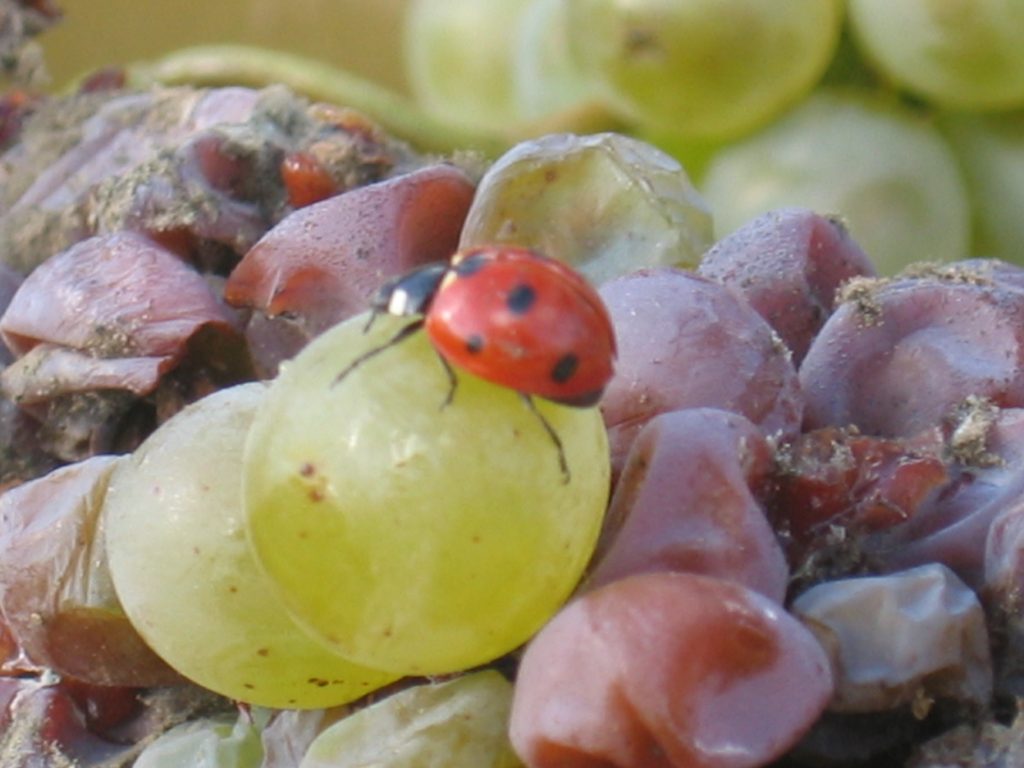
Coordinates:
x,y
219,65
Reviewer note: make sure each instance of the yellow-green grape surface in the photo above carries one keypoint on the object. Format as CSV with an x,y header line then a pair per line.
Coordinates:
x,y
704,68
885,171
967,54
184,572
607,204
461,722
411,535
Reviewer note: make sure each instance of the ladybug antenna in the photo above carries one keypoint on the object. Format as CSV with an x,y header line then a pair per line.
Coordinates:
x,y
403,333
562,463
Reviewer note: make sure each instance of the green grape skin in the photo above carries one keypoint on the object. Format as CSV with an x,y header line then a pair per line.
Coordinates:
x,y
182,568
211,742
991,151
545,76
463,721
710,69
883,169
605,203
411,535
965,55
459,59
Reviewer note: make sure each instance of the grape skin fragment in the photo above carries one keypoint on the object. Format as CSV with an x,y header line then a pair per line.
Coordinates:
x,y
186,577
414,536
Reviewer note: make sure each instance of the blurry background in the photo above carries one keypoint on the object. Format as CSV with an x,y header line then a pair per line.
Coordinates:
x,y
364,37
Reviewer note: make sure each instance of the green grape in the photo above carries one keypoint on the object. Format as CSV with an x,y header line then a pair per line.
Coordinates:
x,y
412,535
459,59
461,722
955,53
605,203
886,172
545,75
991,151
704,68
213,742
182,567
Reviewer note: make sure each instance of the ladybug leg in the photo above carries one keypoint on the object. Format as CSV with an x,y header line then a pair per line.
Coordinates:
x,y
403,333
562,463
452,381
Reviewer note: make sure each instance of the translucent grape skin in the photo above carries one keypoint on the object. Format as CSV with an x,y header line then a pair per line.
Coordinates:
x,y
412,535
667,669
788,264
462,722
56,595
704,69
605,203
687,501
966,56
688,342
884,170
175,532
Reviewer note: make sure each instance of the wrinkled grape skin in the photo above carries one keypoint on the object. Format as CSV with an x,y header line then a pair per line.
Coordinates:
x,y
927,636
55,589
413,535
323,263
687,501
788,264
459,722
606,203
687,342
898,358
955,528
667,669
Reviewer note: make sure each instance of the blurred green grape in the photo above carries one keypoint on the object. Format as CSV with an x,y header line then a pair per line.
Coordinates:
x,y
182,567
956,53
411,535
459,59
883,169
704,68
462,722
991,151
605,203
545,74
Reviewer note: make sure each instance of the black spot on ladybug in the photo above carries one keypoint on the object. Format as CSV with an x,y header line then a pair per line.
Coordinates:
x,y
565,368
520,299
474,344
470,265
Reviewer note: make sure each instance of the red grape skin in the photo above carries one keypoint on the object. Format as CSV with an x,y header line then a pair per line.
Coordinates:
x,y
688,342
788,264
686,501
898,357
667,669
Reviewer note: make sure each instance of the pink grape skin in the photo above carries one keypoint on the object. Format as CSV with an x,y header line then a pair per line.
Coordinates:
x,y
788,264
899,360
688,342
667,669
687,501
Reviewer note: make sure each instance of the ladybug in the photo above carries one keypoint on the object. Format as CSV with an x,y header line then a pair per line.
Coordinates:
x,y
510,316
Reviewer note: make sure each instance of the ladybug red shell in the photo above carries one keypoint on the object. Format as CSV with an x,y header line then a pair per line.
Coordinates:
x,y
512,317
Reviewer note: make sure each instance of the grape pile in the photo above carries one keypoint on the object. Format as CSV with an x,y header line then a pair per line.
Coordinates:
x,y
258,511
902,119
